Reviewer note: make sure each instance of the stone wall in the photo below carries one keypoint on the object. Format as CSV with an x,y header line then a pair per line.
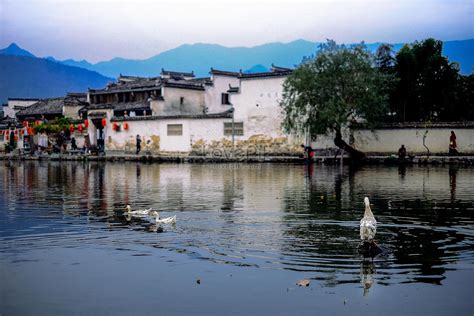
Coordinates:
x,y
388,140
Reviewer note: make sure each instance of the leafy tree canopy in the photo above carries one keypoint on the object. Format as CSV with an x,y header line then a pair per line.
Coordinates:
x,y
339,85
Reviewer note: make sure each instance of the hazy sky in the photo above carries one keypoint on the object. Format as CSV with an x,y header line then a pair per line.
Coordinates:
x,y
100,30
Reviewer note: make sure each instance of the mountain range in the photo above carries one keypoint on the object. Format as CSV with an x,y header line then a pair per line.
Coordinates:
x,y
25,75
201,57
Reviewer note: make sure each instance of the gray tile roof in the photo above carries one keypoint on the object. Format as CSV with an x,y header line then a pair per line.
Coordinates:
x,y
276,68
266,74
121,106
53,106
224,72
225,114
177,73
136,84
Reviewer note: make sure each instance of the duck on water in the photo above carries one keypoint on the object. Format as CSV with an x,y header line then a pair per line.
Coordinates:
x,y
151,215
368,228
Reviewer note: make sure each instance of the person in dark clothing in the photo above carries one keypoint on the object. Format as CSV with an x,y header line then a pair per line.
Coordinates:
x,y
73,143
402,153
139,144
309,153
452,144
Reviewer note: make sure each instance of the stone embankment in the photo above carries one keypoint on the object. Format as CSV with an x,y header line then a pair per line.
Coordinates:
x,y
184,158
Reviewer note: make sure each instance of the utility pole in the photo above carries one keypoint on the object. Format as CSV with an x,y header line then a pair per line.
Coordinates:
x,y
233,131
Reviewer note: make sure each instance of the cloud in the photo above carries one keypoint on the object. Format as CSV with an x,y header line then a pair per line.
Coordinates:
x,y
98,30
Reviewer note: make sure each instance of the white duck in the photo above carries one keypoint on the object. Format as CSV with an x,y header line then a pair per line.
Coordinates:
x,y
368,224
140,213
167,220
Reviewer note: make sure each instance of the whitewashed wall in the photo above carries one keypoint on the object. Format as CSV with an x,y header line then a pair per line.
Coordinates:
x,y
154,135
437,140
213,93
388,141
257,106
193,100
10,111
72,111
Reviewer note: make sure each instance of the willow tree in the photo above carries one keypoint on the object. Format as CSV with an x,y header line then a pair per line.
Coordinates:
x,y
338,86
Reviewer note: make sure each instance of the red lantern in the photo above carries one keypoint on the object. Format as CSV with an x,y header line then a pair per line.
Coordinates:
x,y
86,123
125,126
79,128
71,128
114,126
16,132
30,130
7,135
104,122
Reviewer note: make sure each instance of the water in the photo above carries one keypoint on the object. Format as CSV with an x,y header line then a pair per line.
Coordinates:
x,y
248,233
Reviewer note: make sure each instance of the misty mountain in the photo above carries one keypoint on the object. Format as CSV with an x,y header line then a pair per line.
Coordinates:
x,y
201,57
31,77
256,69
15,50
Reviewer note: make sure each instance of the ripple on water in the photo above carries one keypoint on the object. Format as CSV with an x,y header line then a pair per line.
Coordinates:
x,y
269,218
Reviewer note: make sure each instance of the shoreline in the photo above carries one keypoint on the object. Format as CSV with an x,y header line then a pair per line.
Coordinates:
x,y
327,160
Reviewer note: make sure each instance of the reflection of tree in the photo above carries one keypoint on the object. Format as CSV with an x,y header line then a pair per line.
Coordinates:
x,y
316,228
415,247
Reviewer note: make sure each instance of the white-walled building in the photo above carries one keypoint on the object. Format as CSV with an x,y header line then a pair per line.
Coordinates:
x,y
15,105
178,113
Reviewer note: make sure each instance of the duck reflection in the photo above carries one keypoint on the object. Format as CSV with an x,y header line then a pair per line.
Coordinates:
x,y
367,272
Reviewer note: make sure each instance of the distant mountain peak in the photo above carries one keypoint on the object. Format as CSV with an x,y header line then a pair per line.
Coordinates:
x,y
15,50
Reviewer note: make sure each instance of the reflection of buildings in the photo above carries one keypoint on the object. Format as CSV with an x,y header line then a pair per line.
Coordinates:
x,y
298,223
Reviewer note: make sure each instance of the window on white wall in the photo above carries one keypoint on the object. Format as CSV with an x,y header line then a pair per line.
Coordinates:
x,y
225,98
175,129
238,129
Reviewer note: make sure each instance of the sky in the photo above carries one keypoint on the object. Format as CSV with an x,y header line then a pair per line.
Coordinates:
x,y
138,29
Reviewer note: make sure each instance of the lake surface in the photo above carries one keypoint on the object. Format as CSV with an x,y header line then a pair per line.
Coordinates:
x,y
245,234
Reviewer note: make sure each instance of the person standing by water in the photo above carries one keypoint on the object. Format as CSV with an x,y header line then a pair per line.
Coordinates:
x,y
73,143
402,153
309,153
452,144
139,144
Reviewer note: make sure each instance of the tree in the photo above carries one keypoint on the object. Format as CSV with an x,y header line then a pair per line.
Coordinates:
x,y
428,83
384,58
338,86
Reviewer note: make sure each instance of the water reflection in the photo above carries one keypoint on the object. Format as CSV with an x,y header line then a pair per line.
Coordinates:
x,y
298,218
367,271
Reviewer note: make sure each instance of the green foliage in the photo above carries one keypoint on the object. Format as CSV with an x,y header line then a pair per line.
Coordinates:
x,y
53,127
339,85
384,58
429,86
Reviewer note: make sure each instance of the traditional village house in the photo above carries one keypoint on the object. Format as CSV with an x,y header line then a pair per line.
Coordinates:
x,y
49,110
15,105
178,113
